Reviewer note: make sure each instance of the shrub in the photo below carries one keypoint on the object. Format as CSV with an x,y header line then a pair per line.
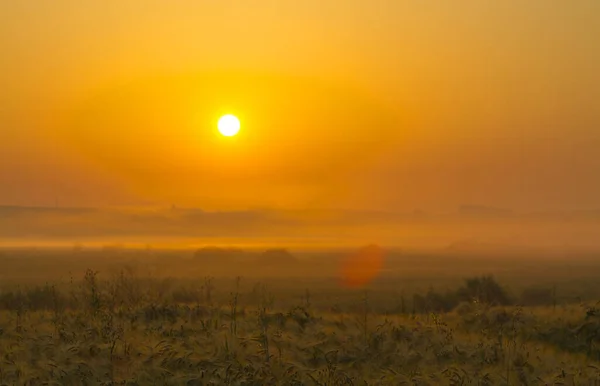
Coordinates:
x,y
484,290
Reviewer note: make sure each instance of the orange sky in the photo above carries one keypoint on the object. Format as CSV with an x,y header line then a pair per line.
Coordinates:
x,y
391,105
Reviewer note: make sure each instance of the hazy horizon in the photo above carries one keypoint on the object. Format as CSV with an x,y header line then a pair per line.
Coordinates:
x,y
467,229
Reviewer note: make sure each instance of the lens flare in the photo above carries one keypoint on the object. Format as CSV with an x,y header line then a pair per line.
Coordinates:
x,y
362,267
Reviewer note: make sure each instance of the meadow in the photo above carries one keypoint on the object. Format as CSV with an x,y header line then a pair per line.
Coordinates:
x,y
113,315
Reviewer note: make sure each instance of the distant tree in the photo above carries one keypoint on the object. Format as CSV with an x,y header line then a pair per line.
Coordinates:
x,y
434,301
442,302
483,289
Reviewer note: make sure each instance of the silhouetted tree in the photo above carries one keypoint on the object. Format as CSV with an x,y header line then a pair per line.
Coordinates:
x,y
483,289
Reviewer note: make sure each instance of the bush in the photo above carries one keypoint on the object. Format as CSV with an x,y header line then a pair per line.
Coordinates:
x,y
434,302
484,290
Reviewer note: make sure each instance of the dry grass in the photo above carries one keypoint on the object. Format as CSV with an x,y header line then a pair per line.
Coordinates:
x,y
121,328
124,331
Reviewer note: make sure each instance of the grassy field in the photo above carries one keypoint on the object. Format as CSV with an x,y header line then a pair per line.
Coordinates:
x,y
116,316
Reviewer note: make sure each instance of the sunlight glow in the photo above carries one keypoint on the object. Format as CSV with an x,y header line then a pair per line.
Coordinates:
x,y
229,125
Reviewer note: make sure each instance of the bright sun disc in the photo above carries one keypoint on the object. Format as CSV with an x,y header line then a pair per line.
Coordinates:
x,y
229,125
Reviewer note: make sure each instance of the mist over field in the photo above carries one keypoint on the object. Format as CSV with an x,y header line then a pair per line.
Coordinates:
x,y
469,227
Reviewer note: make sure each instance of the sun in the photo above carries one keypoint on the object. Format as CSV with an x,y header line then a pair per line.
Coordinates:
x,y
229,125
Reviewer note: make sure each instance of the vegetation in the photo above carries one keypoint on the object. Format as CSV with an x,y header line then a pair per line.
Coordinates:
x,y
122,327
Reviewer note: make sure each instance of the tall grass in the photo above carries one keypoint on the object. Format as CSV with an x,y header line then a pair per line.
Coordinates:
x,y
128,329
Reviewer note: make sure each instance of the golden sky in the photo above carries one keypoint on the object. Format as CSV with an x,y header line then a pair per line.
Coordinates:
x,y
391,104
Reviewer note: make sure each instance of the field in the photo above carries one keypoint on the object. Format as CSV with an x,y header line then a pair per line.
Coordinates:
x,y
183,317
